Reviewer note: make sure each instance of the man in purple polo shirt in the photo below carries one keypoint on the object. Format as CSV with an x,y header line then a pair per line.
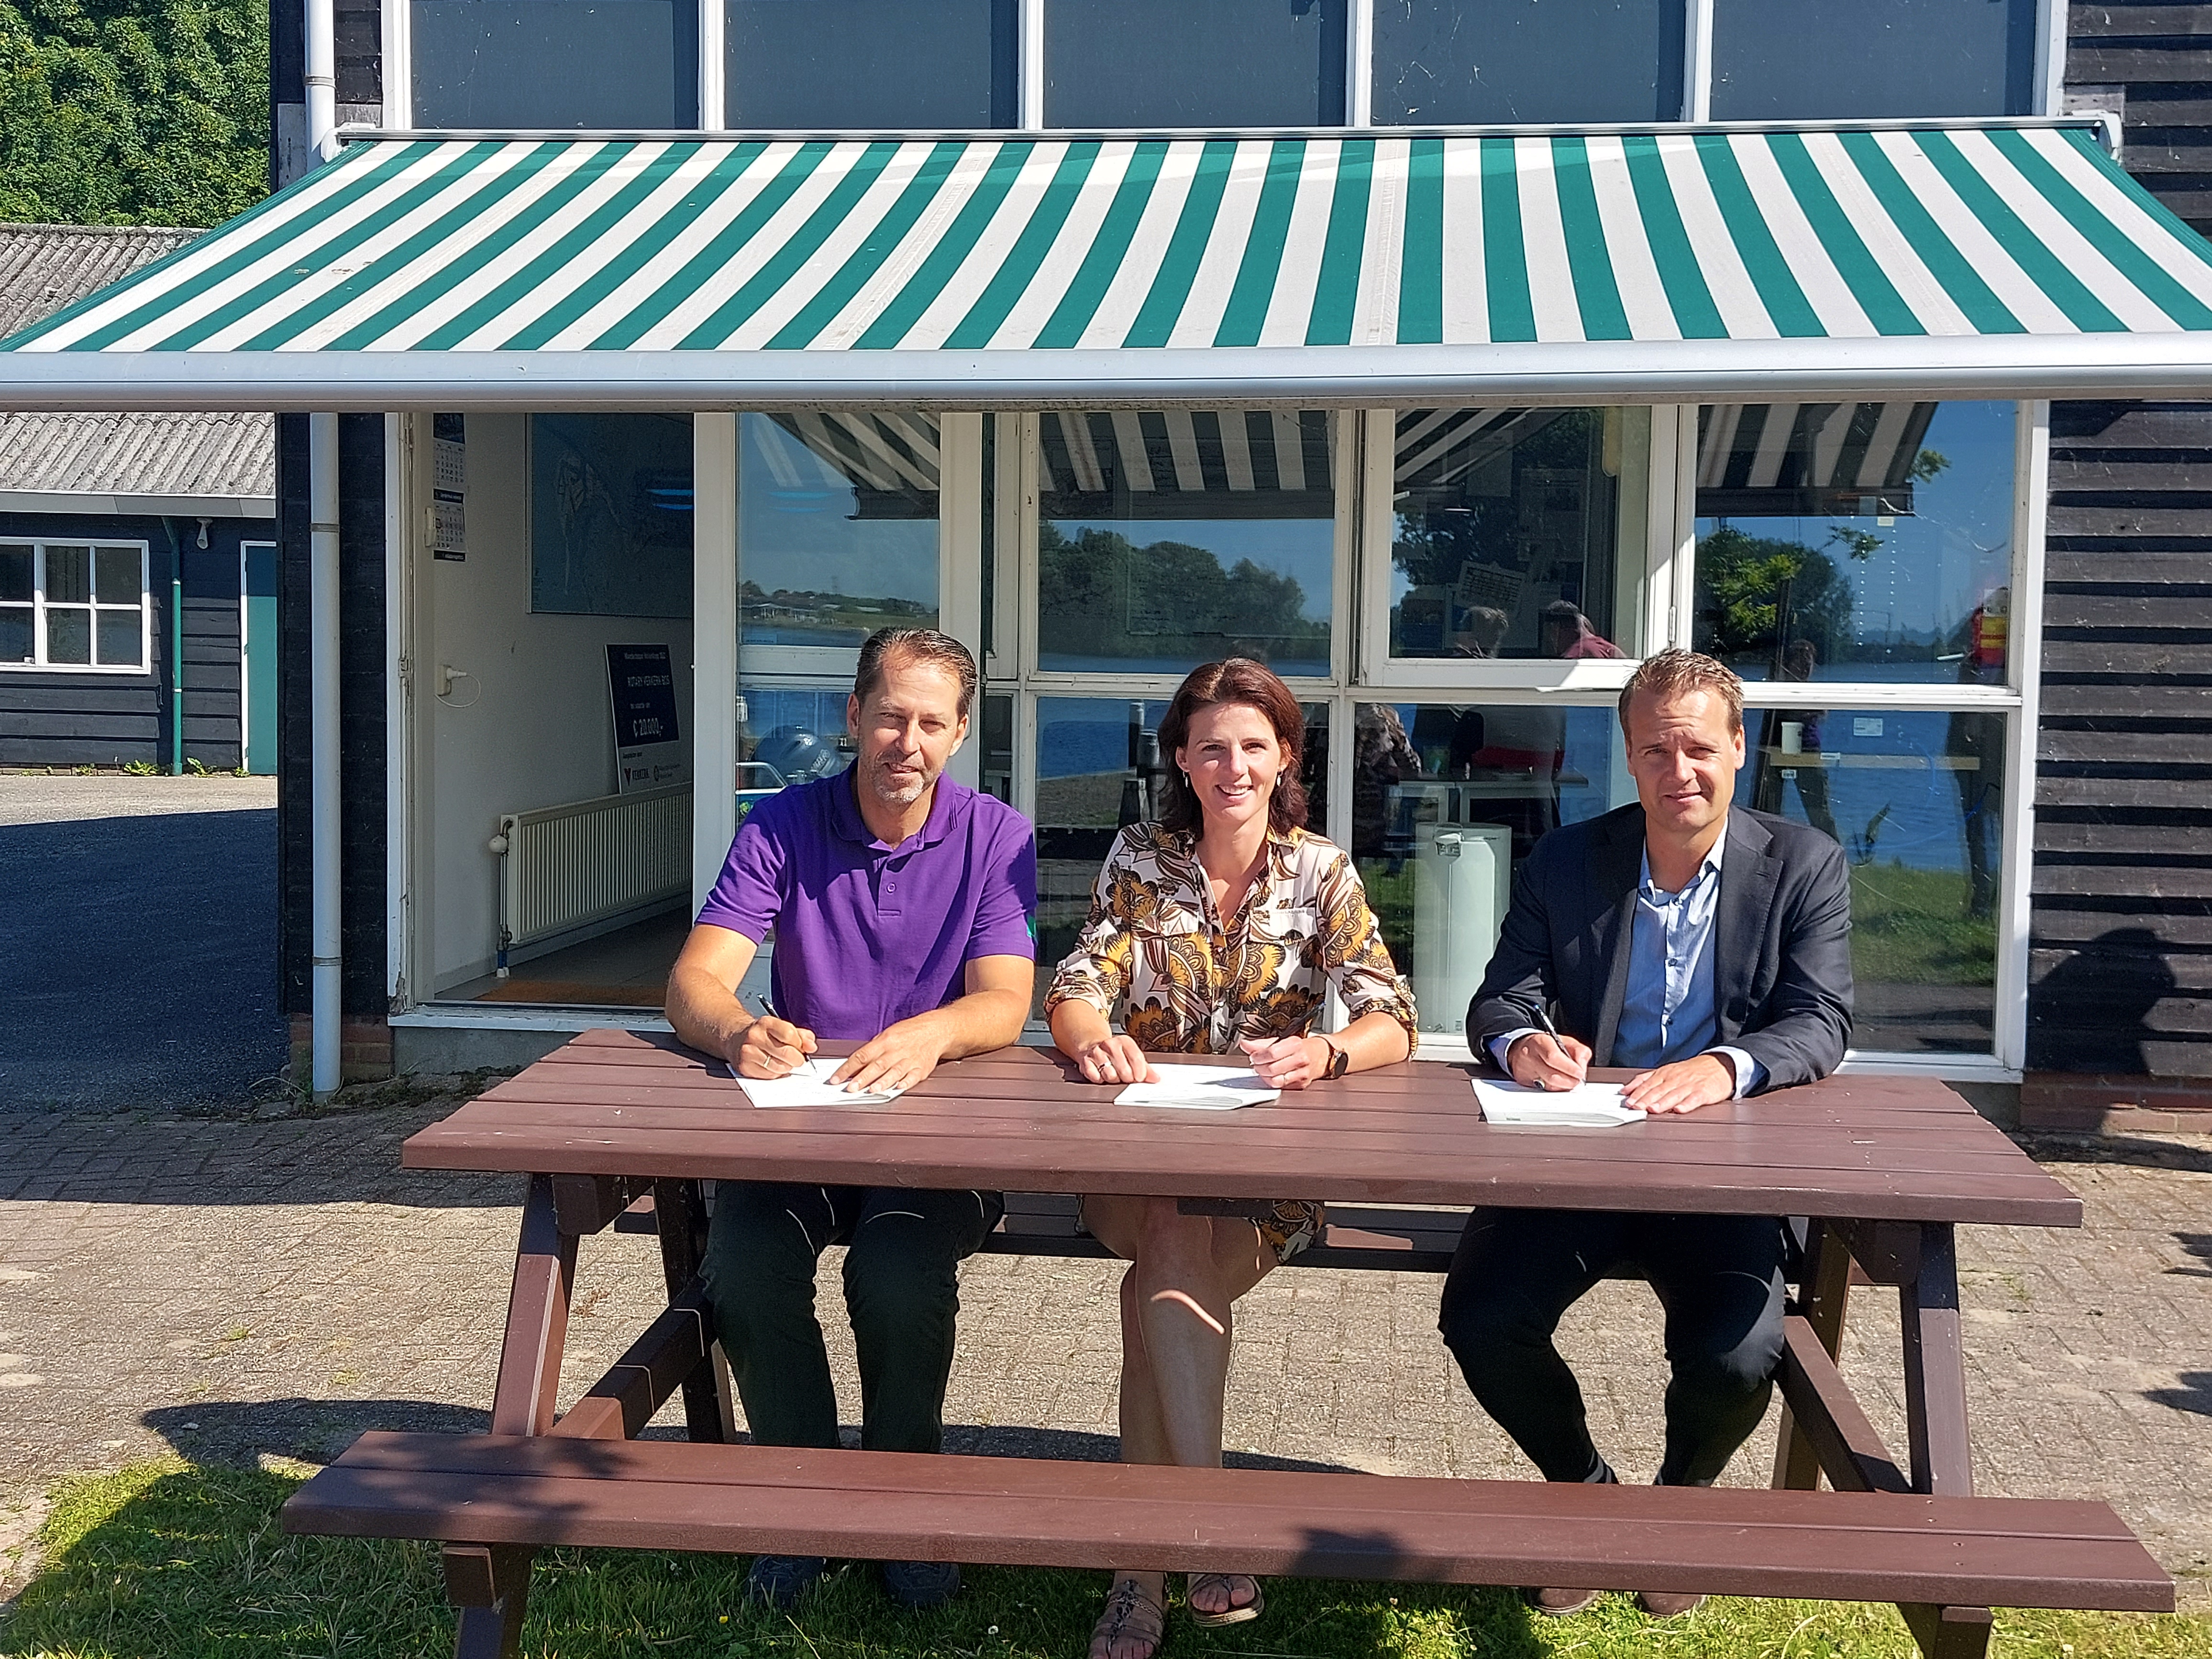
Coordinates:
x,y
903,906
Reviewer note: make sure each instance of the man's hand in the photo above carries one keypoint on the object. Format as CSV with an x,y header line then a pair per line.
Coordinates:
x,y
771,1047
1289,1062
897,1057
1113,1059
1540,1062
1682,1087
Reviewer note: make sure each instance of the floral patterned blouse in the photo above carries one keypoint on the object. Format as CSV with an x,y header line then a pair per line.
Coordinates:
x,y
1195,986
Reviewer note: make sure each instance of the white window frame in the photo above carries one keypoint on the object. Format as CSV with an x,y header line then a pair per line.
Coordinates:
x,y
38,605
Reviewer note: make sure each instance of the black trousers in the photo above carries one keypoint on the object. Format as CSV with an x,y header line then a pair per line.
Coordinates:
x,y
1720,1280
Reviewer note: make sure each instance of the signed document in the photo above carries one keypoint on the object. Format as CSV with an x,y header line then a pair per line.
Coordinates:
x,y
1198,1088
809,1085
1588,1106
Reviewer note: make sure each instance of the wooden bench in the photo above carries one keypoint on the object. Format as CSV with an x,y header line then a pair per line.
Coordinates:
x,y
1905,1159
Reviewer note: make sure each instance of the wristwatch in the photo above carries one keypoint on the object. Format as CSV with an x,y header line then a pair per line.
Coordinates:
x,y
1339,1061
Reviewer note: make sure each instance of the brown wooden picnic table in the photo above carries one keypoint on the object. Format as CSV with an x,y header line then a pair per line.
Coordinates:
x,y
616,1124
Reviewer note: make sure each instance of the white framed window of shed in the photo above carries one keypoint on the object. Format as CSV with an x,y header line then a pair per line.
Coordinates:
x,y
78,607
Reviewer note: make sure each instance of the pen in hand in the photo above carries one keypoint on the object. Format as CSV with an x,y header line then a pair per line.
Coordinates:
x,y
1552,1031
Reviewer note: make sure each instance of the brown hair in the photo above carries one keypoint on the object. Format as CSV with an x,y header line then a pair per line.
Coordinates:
x,y
915,645
1676,674
1237,679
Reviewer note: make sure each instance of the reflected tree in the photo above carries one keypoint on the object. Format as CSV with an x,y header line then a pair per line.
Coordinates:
x,y
1099,594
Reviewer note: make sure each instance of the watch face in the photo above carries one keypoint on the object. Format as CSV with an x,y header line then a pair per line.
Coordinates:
x,y
1339,1061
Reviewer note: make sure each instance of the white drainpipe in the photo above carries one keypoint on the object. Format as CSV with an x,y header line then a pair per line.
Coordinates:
x,y
323,605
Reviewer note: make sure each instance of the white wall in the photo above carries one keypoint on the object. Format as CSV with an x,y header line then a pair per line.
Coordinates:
x,y
529,727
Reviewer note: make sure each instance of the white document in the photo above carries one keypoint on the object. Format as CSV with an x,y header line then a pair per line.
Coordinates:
x,y
809,1085
1587,1106
1198,1088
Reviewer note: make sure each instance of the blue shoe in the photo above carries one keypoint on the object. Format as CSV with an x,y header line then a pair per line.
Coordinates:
x,y
918,1586
778,1581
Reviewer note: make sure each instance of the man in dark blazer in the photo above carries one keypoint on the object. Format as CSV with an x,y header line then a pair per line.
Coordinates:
x,y
1710,947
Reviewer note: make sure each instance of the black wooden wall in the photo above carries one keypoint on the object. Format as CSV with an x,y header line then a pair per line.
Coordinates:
x,y
2122,920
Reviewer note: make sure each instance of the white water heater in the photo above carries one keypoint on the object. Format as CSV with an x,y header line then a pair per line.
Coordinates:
x,y
1463,881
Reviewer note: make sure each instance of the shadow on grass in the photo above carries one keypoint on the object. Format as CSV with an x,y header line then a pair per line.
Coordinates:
x,y
238,1432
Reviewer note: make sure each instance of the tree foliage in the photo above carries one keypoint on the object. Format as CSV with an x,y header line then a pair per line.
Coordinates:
x,y
132,112
1740,580
1099,594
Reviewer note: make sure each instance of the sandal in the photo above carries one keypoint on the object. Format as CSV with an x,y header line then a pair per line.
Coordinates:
x,y
1232,1615
1130,1615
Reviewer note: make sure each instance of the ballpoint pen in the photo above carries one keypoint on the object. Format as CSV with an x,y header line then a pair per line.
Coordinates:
x,y
1553,1032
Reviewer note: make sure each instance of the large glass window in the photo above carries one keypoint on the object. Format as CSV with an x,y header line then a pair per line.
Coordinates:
x,y
1517,532
72,605
1447,799
1856,541
618,64
1802,60
836,527
1170,63
1916,800
1165,540
870,65
1440,62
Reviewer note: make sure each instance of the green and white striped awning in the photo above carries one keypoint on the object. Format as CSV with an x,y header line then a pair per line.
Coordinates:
x,y
1720,264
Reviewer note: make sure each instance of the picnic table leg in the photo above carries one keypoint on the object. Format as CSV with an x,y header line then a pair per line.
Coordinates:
x,y
492,1584
1936,1419
709,1402
1823,1293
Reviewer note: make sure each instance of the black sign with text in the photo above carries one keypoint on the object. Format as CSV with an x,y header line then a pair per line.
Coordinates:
x,y
644,686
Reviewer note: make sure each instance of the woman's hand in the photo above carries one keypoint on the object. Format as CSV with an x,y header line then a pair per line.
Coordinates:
x,y
1112,1059
1289,1062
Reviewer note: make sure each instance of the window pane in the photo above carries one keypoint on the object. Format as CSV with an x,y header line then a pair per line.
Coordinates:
x,y
836,527
1813,59
15,575
68,575
1170,63
68,636
610,514
1439,62
871,65
119,569
1099,766
121,639
1918,801
604,63
1856,541
1519,532
18,642
788,736
998,731
1165,540
1447,799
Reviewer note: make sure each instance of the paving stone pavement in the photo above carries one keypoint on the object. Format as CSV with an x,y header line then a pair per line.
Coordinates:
x,y
235,1289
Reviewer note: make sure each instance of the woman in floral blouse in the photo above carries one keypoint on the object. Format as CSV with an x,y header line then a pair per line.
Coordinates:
x,y
1215,930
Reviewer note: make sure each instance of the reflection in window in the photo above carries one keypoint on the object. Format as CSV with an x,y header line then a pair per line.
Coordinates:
x,y
1872,60
1099,766
788,736
1440,62
1856,541
1509,528
1167,540
610,514
1918,802
836,527
1170,63
1447,800
869,65
606,64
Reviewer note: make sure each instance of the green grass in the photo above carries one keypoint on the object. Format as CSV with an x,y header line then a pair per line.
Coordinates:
x,y
169,1561
1911,928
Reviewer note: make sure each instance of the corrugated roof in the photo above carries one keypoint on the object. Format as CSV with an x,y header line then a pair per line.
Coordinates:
x,y
44,268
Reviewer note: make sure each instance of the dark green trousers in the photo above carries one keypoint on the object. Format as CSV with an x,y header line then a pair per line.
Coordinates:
x,y
901,1289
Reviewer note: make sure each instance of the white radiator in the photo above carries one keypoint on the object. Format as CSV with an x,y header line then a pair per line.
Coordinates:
x,y
565,868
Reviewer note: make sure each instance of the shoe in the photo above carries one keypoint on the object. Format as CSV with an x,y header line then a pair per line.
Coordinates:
x,y
1130,1616
1668,1604
778,1581
918,1586
1558,1603
1233,1614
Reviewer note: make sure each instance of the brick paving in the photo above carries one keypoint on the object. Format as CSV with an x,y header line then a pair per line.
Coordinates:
x,y
235,1289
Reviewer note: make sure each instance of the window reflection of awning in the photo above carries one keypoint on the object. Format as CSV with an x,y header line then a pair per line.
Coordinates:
x,y
890,461
1785,460
1182,463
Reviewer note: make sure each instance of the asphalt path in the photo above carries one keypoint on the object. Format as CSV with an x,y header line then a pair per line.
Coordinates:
x,y
137,942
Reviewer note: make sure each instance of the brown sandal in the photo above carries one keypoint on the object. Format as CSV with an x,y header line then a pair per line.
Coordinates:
x,y
1130,1615
1232,1615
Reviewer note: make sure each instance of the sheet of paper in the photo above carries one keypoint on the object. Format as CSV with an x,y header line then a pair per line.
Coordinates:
x,y
809,1085
1590,1106
1198,1088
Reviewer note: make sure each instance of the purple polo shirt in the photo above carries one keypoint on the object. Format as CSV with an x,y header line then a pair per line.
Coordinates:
x,y
868,935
